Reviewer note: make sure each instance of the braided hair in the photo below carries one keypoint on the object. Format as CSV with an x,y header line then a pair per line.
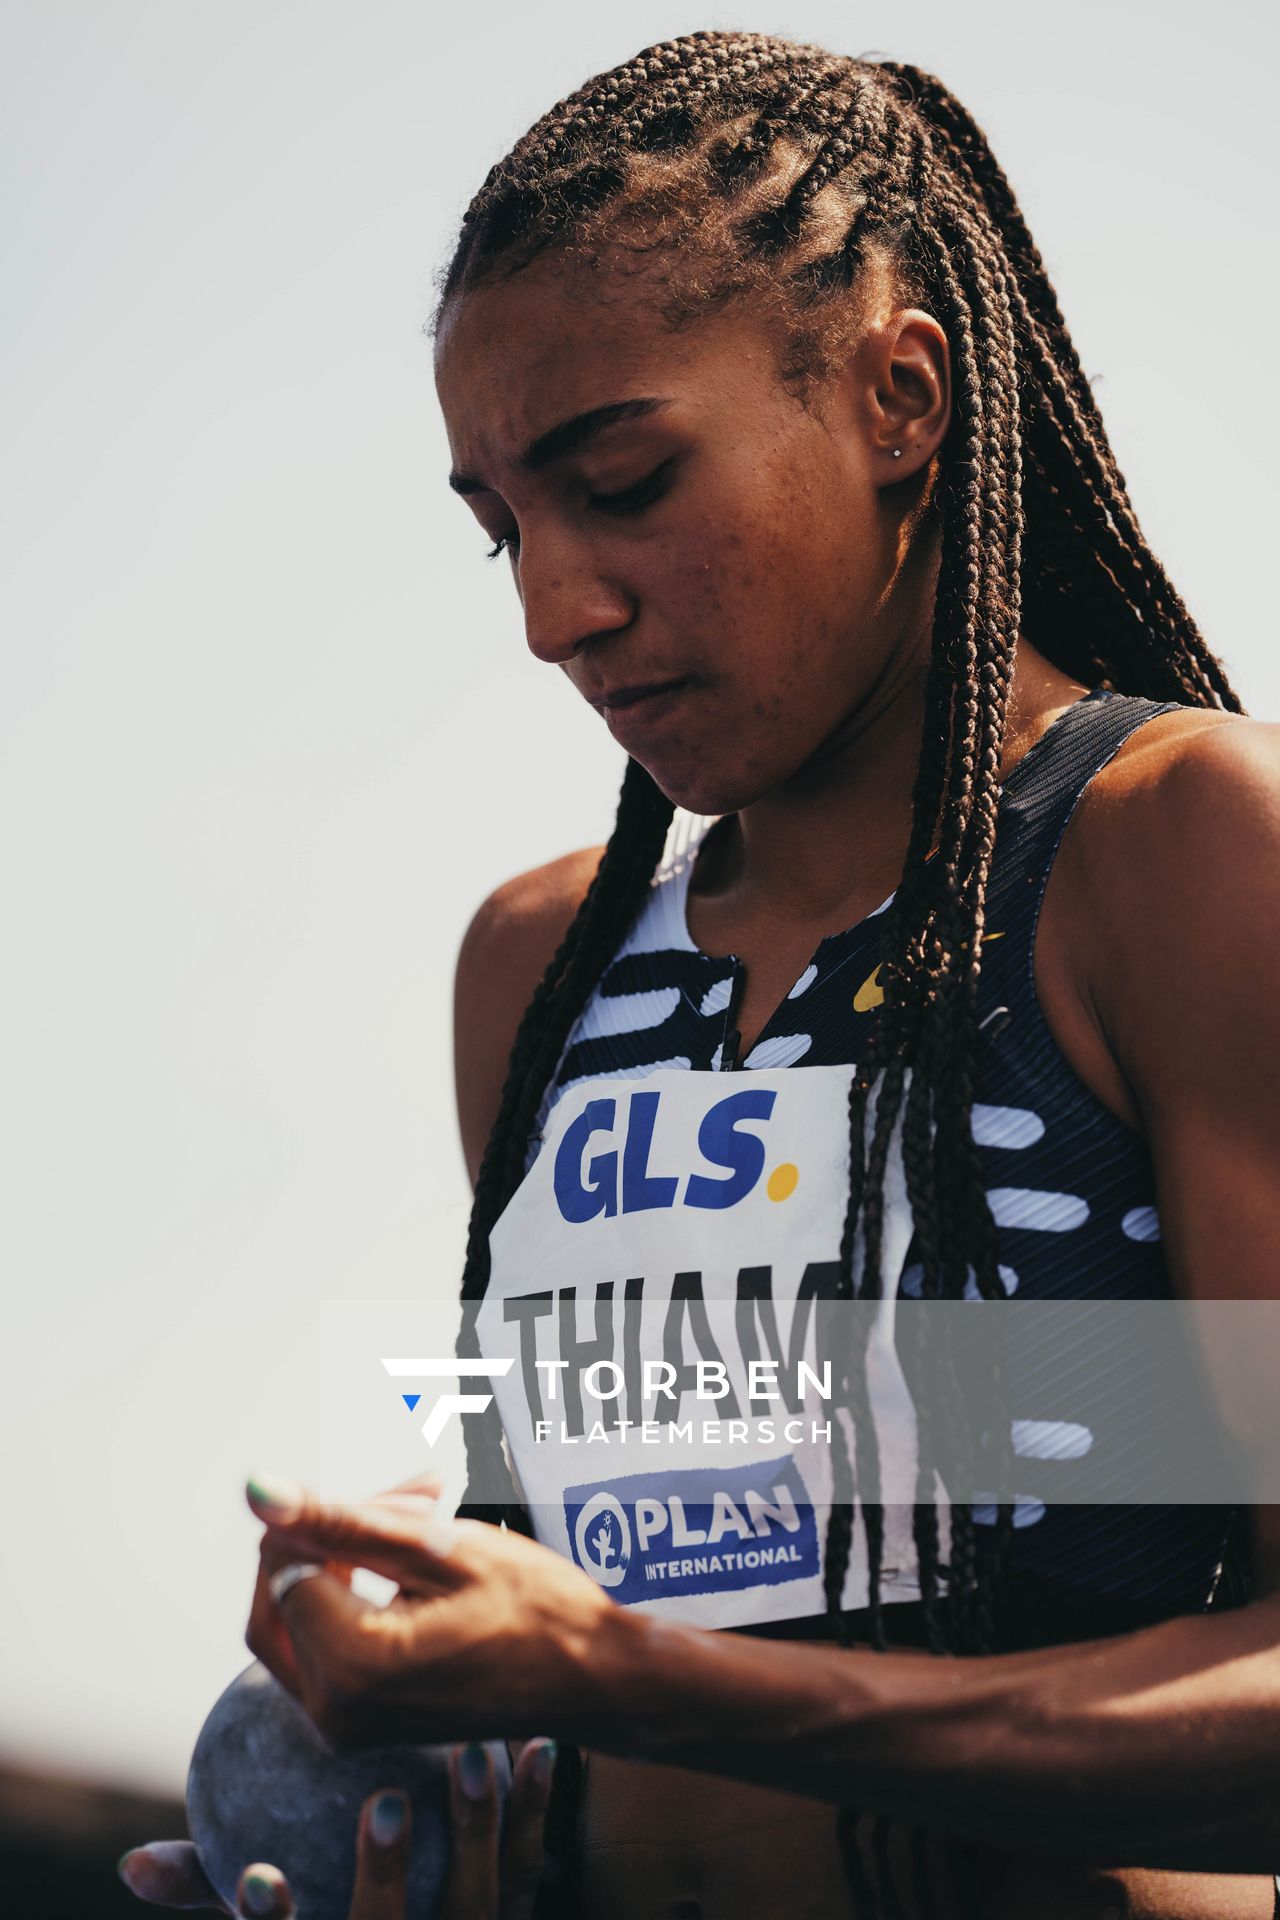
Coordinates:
x,y
726,166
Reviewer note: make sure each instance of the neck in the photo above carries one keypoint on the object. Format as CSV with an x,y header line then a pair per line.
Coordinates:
x,y
856,792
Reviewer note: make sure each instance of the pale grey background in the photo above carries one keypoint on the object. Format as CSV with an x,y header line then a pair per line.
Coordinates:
x,y
270,733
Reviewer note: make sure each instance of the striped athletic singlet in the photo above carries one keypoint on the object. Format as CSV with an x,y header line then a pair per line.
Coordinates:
x,y
1071,1188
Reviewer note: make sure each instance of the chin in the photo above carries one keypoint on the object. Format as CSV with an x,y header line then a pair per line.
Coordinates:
x,y
702,788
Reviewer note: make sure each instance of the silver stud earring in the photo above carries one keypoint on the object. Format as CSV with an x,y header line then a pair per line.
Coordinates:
x,y
897,453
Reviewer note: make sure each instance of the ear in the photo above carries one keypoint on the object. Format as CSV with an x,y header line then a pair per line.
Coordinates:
x,y
907,393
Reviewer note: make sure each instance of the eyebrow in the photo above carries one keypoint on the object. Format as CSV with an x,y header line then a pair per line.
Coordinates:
x,y
568,437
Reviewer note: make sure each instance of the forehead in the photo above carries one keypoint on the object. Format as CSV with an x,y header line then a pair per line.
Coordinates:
x,y
514,357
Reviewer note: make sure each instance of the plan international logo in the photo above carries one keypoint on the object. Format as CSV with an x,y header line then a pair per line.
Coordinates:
x,y
449,1368
708,1530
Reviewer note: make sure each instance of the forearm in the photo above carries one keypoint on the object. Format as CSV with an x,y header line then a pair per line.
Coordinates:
x,y
1157,1749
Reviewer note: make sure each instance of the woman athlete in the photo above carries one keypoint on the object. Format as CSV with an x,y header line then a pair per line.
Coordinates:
x,y
935,798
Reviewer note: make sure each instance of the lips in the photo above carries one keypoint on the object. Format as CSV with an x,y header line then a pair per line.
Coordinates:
x,y
617,699
638,716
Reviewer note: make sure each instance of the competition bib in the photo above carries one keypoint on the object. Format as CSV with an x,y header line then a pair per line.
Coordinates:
x,y
661,1282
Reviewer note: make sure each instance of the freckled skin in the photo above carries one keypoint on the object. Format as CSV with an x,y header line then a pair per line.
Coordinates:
x,y
786,571
790,570
772,570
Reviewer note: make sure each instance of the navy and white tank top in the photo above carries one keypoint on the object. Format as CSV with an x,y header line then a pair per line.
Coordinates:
x,y
648,1156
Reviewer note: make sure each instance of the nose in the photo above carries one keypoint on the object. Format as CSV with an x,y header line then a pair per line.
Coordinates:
x,y
567,599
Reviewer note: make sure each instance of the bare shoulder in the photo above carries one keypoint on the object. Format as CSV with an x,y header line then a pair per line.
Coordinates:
x,y
1191,754
1168,889
1192,799
505,952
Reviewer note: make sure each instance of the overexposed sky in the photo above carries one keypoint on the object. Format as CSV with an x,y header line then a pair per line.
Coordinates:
x,y
269,732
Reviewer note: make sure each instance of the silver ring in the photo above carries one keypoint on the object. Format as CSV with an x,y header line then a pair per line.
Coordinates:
x,y
280,1583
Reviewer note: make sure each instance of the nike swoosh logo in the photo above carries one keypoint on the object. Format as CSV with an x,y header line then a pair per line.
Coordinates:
x,y
870,994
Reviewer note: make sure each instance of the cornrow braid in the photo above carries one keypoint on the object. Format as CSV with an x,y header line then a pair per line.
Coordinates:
x,y
732,163
751,146
779,226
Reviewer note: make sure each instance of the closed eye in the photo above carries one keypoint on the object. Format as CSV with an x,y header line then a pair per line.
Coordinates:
x,y
630,500
634,499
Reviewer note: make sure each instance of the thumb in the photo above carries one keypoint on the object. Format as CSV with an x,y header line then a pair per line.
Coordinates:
x,y
168,1873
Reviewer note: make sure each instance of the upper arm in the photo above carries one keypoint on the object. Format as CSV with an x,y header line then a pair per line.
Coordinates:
x,y
1185,986
504,954
1185,981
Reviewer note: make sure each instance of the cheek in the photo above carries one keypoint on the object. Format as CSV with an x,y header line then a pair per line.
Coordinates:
x,y
771,601
707,573
767,601
732,575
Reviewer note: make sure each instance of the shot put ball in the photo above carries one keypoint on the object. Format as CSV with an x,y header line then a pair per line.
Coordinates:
x,y
265,1785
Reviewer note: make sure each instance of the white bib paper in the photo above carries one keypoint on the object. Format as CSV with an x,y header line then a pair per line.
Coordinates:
x,y
655,1280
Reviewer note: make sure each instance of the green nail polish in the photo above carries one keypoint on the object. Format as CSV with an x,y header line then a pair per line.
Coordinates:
x,y
259,1896
283,1497
544,1761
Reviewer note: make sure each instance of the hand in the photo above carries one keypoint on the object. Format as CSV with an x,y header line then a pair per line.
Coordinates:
x,y
168,1873
489,1880
489,1636
266,1624
486,1881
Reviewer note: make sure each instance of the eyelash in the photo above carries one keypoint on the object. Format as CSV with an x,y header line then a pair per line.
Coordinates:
x,y
630,500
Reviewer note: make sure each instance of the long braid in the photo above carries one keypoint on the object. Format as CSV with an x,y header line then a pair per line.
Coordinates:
x,y
1058,365
608,907
966,1229
752,145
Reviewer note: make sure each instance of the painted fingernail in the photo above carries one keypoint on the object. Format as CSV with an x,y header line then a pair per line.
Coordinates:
x,y
283,1497
544,1763
261,1894
473,1771
120,1867
386,1822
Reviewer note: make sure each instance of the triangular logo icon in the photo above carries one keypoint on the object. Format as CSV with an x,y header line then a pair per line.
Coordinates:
x,y
411,1400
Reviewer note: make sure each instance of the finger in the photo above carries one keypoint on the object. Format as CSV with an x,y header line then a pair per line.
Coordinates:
x,y
350,1656
410,1496
280,1501
382,1858
471,1891
263,1893
407,1541
168,1874
522,1835
417,1500
275,1551
266,1635
425,1486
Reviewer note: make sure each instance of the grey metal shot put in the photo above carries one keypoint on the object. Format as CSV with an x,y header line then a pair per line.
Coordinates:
x,y
265,1785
